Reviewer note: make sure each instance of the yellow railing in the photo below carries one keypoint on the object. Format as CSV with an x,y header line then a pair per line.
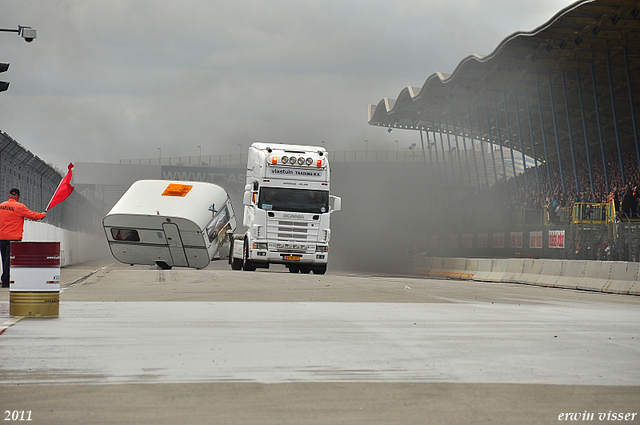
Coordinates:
x,y
593,213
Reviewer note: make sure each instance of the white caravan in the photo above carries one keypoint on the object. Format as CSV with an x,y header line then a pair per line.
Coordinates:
x,y
169,223
287,207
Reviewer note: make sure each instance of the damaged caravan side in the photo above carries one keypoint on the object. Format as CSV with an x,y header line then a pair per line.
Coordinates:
x,y
169,223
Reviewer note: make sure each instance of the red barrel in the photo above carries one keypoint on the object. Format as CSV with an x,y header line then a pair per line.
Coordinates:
x,y
35,254
35,279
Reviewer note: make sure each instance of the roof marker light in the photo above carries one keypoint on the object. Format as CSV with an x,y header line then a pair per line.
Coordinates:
x,y
319,163
274,159
285,159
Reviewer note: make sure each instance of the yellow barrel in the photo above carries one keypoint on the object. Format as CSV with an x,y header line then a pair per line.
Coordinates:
x,y
34,304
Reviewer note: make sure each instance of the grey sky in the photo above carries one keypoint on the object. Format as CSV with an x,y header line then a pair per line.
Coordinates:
x,y
107,80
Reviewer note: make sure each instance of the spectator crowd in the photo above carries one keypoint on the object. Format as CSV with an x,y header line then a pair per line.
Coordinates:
x,y
553,198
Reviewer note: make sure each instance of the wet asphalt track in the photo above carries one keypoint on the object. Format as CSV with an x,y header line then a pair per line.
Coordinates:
x,y
120,325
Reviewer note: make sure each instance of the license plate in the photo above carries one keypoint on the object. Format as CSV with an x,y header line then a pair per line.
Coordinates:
x,y
291,257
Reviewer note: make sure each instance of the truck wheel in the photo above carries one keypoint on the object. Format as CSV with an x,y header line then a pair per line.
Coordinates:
x,y
294,269
320,269
248,265
305,270
236,264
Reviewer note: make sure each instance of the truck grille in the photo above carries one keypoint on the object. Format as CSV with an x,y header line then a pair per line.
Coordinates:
x,y
304,232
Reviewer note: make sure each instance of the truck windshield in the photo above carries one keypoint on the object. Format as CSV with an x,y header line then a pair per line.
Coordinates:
x,y
296,200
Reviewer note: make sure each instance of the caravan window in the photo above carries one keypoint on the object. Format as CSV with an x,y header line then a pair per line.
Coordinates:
x,y
218,223
125,235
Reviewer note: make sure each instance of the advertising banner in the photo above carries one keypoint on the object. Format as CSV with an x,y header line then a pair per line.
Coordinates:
x,y
556,239
535,239
498,240
516,240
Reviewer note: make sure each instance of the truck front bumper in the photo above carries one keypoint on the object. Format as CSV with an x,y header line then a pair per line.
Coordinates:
x,y
315,258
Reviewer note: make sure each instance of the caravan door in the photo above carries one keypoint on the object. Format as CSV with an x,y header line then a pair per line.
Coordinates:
x,y
175,244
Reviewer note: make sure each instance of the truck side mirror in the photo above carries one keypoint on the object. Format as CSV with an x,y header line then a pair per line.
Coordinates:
x,y
246,200
335,203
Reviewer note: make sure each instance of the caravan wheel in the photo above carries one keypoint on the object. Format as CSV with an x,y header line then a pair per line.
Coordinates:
x,y
163,265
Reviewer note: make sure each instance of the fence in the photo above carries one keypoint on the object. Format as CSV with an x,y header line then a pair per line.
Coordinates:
x,y
37,182
413,155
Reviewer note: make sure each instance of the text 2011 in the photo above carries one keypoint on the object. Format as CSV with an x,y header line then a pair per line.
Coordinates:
x,y
17,415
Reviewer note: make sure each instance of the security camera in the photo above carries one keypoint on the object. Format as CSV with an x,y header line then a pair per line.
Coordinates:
x,y
29,34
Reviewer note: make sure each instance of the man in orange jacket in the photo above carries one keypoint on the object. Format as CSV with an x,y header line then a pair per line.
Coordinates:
x,y
12,215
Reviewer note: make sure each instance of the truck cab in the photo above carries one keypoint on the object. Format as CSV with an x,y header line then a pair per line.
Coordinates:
x,y
287,209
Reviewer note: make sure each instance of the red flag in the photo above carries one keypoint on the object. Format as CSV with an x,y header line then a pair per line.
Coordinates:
x,y
63,191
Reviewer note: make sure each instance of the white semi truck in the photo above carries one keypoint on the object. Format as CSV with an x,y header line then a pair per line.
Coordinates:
x,y
287,208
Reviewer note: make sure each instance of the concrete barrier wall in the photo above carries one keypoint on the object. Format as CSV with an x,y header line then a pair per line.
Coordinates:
x,y
75,247
448,267
483,270
623,277
498,269
421,264
596,275
436,266
602,276
471,268
460,268
550,272
572,274
515,267
531,271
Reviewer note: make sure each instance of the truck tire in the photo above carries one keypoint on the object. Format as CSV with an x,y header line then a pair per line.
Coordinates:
x,y
294,269
305,269
248,265
236,264
320,269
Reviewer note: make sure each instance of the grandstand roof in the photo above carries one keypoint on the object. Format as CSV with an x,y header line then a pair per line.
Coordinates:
x,y
545,75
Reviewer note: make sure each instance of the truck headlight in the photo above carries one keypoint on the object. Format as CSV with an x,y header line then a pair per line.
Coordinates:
x,y
260,245
322,248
